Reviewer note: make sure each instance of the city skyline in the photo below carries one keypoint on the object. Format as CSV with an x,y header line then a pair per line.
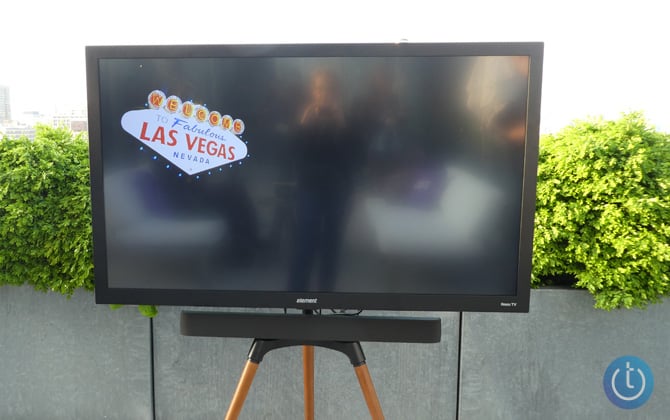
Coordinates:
x,y
601,59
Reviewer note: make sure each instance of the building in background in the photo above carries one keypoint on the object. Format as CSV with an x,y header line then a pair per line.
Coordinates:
x,y
5,109
73,119
16,131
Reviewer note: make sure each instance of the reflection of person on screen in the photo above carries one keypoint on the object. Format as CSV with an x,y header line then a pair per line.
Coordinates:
x,y
496,95
323,185
496,98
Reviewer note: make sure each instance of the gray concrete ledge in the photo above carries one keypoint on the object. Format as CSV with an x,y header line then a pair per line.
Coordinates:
x,y
72,359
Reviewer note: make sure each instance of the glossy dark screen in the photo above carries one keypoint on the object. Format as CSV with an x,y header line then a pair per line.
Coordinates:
x,y
361,175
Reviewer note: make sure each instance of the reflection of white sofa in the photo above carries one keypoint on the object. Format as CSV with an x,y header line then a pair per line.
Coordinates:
x,y
457,226
131,225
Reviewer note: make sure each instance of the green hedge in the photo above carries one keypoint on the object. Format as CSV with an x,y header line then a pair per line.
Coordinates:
x,y
45,212
603,215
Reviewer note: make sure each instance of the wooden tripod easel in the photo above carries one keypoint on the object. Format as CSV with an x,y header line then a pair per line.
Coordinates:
x,y
336,332
352,349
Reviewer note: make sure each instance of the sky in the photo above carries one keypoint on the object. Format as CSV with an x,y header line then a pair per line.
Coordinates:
x,y
601,58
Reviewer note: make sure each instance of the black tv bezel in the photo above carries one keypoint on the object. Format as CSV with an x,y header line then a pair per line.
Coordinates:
x,y
367,301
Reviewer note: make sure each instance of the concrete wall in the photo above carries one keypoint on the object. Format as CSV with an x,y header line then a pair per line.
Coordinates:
x,y
72,359
550,363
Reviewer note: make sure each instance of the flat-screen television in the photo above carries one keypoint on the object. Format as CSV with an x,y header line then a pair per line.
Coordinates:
x,y
330,176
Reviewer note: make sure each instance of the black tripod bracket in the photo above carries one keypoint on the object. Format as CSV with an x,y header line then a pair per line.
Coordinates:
x,y
352,349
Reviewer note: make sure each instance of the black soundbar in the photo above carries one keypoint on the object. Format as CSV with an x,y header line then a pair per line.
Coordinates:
x,y
306,327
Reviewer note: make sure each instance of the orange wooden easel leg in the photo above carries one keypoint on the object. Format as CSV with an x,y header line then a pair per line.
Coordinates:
x,y
369,392
242,390
308,380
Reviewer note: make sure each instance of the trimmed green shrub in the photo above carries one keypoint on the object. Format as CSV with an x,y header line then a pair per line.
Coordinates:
x,y
603,215
45,212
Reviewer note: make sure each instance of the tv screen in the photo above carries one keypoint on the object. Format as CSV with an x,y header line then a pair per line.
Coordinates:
x,y
331,176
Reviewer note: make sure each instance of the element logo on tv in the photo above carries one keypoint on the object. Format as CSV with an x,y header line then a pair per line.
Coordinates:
x,y
188,135
306,300
628,382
